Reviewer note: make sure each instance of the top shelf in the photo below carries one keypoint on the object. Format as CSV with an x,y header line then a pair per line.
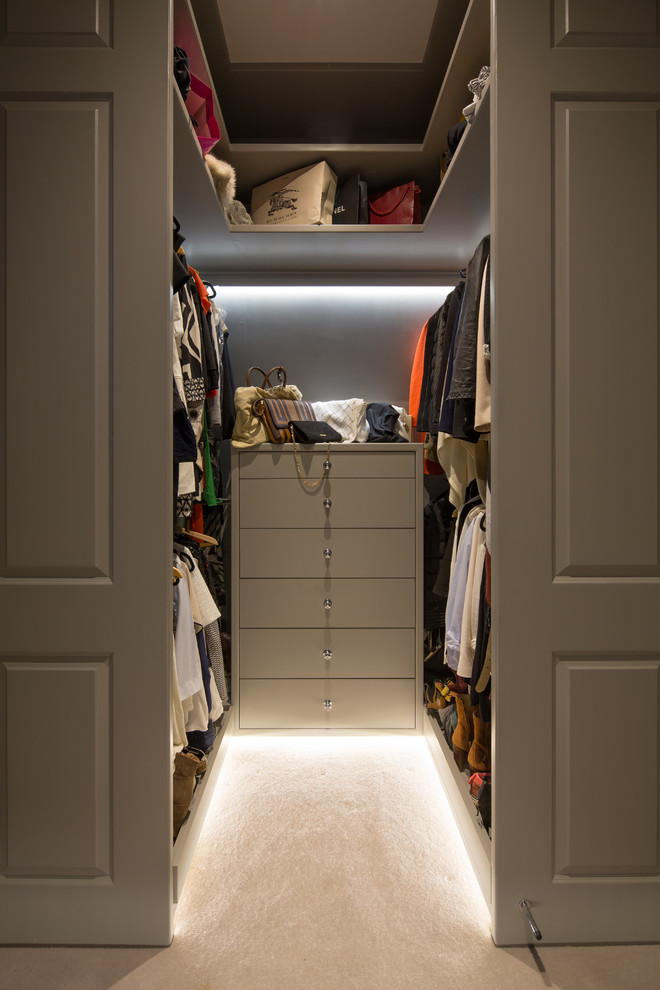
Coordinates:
x,y
457,219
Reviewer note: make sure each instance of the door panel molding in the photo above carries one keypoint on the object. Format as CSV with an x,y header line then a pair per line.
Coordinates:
x,y
608,23
42,23
606,337
606,723
60,825
57,444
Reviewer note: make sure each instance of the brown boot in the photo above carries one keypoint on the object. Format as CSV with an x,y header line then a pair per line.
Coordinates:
x,y
479,754
187,766
462,736
434,701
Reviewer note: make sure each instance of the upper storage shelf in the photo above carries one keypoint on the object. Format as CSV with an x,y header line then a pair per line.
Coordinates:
x,y
457,218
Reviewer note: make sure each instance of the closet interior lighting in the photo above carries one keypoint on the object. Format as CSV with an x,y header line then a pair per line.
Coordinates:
x,y
353,294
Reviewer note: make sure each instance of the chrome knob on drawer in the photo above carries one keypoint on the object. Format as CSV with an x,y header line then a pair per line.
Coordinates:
x,y
327,553
327,604
327,704
327,654
327,465
327,503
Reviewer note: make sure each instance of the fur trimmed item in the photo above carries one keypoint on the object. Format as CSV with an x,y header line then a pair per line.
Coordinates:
x,y
224,181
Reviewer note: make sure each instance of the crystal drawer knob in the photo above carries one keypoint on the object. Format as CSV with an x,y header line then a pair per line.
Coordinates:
x,y
327,654
327,465
327,704
327,503
327,553
327,604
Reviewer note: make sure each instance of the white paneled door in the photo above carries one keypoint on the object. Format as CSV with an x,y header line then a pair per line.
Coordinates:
x,y
85,463
575,473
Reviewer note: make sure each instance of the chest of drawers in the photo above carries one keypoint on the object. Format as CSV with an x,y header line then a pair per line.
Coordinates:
x,y
326,588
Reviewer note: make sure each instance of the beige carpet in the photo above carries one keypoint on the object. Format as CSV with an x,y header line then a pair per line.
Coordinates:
x,y
329,864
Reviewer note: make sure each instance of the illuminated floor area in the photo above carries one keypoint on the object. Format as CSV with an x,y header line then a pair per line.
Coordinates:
x,y
330,864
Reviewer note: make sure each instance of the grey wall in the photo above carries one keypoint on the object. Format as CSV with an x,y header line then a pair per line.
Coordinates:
x,y
335,342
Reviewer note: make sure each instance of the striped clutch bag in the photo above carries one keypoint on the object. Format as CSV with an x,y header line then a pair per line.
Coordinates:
x,y
278,413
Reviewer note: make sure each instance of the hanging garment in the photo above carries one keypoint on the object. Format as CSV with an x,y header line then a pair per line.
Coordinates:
x,y
214,398
457,589
188,374
482,392
416,376
438,530
184,444
216,659
209,353
470,618
462,384
480,679
196,706
189,672
205,614
178,716
444,338
432,326
463,378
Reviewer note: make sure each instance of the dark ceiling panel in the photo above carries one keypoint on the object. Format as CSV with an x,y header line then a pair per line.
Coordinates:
x,y
326,30
328,104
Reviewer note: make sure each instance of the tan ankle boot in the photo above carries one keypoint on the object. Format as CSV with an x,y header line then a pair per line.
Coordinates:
x,y
187,766
479,754
463,732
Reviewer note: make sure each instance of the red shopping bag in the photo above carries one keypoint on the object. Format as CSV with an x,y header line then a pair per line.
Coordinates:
x,y
398,205
199,105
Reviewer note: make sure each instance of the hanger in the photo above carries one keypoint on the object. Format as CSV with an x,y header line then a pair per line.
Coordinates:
x,y
176,575
210,289
186,556
200,537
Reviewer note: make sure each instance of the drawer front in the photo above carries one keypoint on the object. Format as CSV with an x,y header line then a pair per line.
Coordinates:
x,y
371,503
353,461
299,603
304,553
373,653
299,704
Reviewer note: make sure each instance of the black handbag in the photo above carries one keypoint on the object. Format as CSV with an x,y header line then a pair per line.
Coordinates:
x,y
313,431
351,202
182,71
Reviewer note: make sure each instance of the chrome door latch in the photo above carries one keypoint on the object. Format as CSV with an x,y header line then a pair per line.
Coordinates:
x,y
529,918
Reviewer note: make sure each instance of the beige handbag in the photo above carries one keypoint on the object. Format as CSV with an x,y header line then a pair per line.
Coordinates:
x,y
249,428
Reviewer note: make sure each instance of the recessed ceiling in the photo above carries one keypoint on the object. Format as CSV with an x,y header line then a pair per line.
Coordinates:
x,y
328,71
304,31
